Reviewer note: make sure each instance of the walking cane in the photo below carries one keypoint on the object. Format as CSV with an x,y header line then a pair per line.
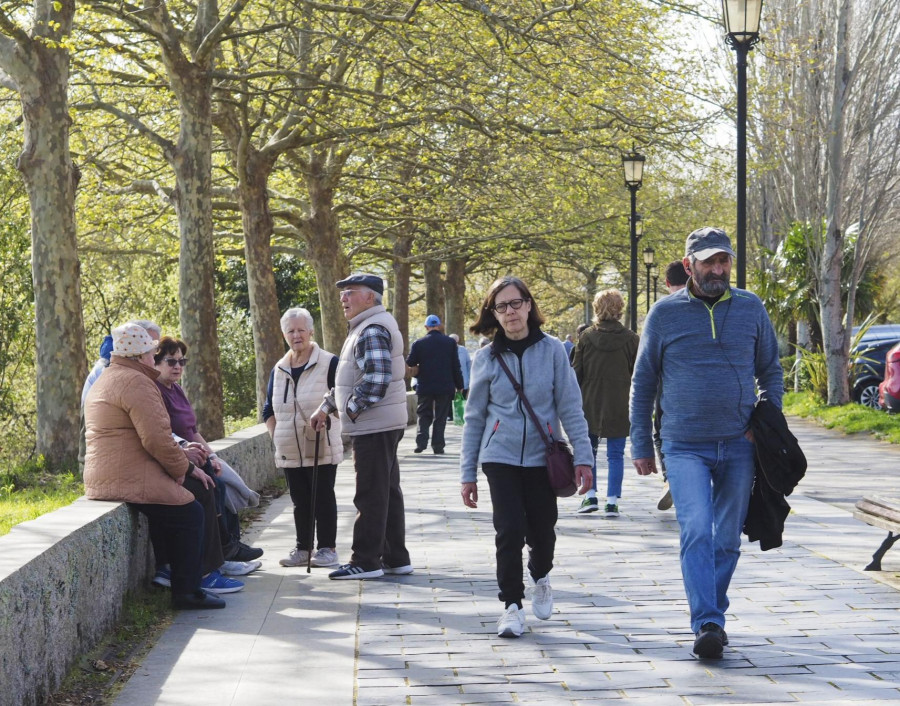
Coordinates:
x,y
312,505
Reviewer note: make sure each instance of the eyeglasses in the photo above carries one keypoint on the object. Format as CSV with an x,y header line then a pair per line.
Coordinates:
x,y
172,362
514,303
347,292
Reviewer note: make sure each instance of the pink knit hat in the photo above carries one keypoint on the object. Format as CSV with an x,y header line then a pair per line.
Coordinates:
x,y
131,341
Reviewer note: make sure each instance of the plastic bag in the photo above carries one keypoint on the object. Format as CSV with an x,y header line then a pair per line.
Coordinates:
x,y
459,409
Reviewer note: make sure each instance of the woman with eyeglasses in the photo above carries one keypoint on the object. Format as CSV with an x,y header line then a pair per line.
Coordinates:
x,y
500,435
170,360
132,457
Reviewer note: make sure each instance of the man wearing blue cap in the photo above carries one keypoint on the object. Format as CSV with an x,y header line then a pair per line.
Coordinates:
x,y
708,348
434,361
370,395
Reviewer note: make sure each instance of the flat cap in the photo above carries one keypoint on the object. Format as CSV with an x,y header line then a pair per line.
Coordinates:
x,y
373,282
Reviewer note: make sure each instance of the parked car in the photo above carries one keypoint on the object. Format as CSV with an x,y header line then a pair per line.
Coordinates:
x,y
867,362
889,390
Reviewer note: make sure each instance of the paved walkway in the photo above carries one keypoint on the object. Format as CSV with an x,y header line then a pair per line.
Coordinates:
x,y
806,624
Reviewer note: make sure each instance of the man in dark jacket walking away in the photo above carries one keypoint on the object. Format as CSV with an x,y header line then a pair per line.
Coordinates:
x,y
434,361
708,347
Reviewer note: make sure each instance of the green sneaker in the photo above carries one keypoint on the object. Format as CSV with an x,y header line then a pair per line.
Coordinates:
x,y
611,511
588,505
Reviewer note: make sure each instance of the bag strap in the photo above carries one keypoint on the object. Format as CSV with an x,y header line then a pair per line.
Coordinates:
x,y
548,442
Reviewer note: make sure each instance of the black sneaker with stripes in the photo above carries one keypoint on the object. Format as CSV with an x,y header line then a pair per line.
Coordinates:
x,y
352,571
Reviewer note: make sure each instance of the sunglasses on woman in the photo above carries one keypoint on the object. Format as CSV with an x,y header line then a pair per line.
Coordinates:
x,y
172,362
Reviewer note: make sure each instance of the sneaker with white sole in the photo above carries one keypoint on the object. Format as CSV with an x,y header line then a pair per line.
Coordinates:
x,y
163,577
214,582
404,570
512,622
611,511
588,505
325,557
297,557
239,568
541,598
352,571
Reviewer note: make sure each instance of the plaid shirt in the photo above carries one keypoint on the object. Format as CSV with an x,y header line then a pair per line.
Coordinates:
x,y
373,356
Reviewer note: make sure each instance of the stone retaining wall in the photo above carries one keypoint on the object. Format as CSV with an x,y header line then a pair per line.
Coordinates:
x,y
63,577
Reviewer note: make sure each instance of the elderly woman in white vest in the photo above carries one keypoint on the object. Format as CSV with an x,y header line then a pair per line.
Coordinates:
x,y
297,385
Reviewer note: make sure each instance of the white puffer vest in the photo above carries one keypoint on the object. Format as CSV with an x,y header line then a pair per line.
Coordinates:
x,y
390,413
307,394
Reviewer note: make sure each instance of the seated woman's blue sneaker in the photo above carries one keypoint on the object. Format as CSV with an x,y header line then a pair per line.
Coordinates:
x,y
214,582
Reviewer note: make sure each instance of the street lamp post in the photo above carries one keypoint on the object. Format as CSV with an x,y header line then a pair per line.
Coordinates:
x,y
633,165
648,263
741,33
655,282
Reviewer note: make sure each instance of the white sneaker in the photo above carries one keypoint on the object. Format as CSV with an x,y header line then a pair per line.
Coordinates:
x,y
541,598
404,570
239,568
512,622
297,557
325,557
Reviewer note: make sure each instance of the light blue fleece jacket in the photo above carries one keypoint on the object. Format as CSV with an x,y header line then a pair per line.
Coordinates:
x,y
497,427
709,361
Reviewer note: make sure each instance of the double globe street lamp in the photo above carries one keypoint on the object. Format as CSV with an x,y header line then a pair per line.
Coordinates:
x,y
633,165
741,33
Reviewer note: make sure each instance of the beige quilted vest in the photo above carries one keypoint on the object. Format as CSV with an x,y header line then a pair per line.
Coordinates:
x,y
288,399
390,412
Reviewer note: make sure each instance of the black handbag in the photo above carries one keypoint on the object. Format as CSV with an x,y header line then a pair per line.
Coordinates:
x,y
559,459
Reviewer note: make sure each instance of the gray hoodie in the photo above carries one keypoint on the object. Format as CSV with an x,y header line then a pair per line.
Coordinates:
x,y
497,426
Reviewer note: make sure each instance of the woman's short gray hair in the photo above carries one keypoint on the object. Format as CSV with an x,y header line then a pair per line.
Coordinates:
x,y
297,312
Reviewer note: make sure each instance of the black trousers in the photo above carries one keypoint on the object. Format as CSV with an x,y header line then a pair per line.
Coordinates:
x,y
300,485
379,533
524,513
432,411
211,557
179,529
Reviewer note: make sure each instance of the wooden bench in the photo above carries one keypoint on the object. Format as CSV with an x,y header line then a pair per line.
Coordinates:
x,y
882,512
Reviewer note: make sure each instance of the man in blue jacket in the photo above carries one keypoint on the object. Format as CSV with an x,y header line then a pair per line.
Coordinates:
x,y
709,347
434,362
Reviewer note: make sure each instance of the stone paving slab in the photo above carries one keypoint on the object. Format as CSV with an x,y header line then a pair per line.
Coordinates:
x,y
806,625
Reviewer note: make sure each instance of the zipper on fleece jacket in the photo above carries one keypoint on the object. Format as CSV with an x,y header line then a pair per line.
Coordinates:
x,y
712,318
521,409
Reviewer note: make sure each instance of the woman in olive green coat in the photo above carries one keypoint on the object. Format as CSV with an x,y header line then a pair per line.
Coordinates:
x,y
604,360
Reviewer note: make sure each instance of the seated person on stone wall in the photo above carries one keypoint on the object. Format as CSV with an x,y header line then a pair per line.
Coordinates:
x,y
132,457
223,528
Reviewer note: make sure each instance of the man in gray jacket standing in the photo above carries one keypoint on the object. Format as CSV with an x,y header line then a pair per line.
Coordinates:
x,y
370,394
709,347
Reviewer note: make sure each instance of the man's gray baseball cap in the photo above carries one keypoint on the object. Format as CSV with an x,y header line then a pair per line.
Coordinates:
x,y
706,242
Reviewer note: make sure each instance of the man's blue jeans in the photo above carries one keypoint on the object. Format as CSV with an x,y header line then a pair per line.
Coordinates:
x,y
710,484
615,461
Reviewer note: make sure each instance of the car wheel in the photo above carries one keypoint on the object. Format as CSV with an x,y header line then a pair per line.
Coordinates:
x,y
867,394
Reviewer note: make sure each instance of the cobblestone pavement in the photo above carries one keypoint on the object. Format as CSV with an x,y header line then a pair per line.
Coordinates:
x,y
806,625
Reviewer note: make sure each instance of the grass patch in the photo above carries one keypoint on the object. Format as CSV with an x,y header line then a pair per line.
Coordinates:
x,y
29,491
849,418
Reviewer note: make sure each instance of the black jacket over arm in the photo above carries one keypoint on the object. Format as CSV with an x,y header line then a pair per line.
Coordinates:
x,y
780,465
